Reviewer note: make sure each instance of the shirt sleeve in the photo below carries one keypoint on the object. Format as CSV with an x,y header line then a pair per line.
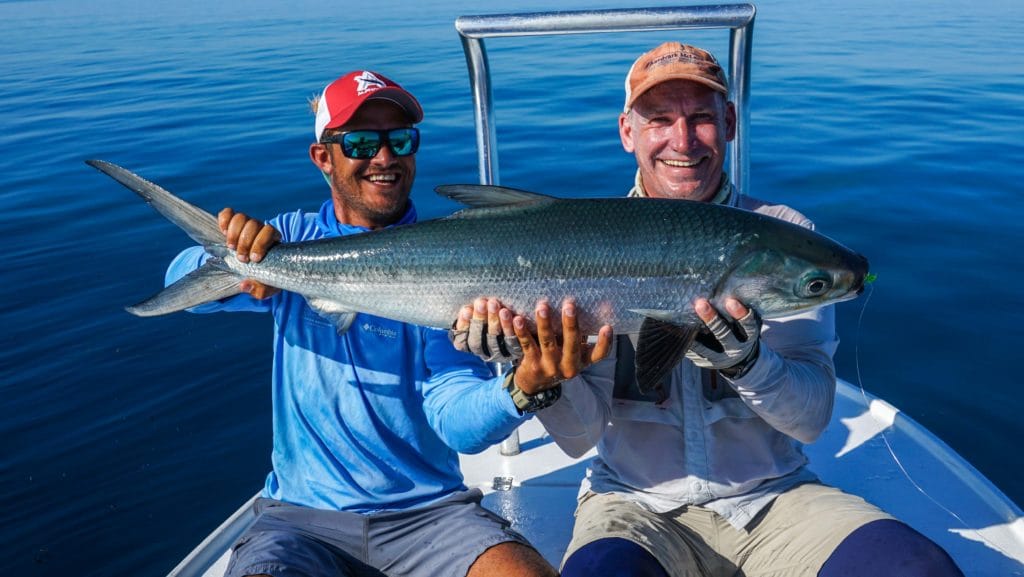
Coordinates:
x,y
577,420
792,383
465,404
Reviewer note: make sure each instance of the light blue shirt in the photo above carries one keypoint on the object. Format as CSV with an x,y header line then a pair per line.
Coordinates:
x,y
371,420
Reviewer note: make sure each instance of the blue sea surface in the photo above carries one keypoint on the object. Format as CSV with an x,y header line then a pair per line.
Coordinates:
x,y
895,126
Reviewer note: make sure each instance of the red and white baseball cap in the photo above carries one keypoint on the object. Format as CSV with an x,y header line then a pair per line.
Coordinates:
x,y
341,98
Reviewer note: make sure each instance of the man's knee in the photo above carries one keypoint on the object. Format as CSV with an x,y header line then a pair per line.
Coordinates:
x,y
886,548
612,557
511,558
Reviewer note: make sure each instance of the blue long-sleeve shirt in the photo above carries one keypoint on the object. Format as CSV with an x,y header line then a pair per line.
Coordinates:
x,y
371,420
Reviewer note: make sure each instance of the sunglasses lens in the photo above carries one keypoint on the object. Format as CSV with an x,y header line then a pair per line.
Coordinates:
x,y
365,144
404,141
361,144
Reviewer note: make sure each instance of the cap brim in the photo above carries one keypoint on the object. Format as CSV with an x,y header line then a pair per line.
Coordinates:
x,y
651,83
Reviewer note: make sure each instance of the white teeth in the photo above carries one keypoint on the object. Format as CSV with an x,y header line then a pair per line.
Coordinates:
x,y
680,163
382,178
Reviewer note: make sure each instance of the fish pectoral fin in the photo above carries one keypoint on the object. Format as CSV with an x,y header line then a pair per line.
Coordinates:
x,y
487,196
660,347
205,284
666,316
339,315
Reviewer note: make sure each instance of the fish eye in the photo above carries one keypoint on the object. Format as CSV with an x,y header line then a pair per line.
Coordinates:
x,y
814,285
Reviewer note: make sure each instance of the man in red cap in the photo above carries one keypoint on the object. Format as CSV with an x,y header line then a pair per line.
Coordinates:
x,y
367,424
708,479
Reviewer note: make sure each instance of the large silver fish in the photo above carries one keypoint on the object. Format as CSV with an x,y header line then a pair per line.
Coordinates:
x,y
636,264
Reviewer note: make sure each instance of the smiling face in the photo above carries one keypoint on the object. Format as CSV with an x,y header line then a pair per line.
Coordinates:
x,y
371,192
677,130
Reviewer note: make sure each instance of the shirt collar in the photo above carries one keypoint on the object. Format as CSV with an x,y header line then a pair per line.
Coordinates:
x,y
328,221
723,196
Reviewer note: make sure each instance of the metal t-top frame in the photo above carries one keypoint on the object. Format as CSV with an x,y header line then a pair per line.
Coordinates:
x,y
738,18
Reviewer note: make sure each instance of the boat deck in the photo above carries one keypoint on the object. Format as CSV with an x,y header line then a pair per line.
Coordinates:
x,y
925,484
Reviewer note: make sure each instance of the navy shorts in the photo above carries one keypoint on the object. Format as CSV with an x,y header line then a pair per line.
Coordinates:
x,y
443,538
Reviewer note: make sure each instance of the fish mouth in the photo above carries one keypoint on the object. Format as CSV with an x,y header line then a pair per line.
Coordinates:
x,y
860,271
848,296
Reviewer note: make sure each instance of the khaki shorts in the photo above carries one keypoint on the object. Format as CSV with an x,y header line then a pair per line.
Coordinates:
x,y
793,537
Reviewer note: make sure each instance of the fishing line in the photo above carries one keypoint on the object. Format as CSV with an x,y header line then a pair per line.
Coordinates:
x,y
888,445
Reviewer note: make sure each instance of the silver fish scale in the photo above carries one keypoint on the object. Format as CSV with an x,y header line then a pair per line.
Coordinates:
x,y
621,259
613,256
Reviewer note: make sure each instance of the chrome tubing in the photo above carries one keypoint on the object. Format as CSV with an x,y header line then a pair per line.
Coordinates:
x,y
741,42
483,107
616,20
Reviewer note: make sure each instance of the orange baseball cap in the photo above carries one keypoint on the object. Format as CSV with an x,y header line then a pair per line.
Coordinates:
x,y
671,61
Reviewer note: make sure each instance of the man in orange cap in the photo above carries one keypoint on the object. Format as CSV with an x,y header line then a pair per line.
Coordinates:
x,y
708,478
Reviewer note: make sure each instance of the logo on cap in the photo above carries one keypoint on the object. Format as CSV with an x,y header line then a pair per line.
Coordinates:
x,y
368,82
681,56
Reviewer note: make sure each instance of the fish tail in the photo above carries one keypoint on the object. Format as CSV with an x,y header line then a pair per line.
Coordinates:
x,y
207,283
212,281
200,225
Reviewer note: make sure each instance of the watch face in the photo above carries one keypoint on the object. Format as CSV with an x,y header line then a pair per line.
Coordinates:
x,y
540,400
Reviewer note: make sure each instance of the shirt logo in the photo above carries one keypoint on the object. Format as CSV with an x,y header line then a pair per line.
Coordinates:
x,y
368,82
382,332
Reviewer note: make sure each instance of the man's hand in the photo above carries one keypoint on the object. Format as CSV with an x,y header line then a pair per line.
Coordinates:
x,y
732,345
544,361
250,238
485,329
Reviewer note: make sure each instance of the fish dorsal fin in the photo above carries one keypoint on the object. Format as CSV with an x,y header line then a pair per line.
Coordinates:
x,y
487,196
340,316
660,347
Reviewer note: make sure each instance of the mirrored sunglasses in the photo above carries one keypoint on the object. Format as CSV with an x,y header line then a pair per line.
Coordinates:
x,y
365,144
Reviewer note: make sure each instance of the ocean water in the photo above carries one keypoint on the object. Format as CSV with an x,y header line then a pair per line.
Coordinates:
x,y
895,126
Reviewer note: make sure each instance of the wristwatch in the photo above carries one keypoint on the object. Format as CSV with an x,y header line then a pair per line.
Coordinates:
x,y
530,403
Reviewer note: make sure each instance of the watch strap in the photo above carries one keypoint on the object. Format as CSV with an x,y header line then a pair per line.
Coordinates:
x,y
530,403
